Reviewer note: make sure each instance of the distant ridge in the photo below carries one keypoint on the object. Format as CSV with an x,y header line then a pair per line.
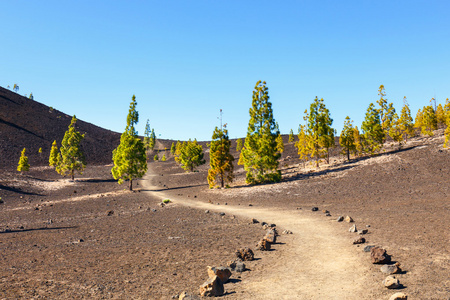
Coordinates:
x,y
25,123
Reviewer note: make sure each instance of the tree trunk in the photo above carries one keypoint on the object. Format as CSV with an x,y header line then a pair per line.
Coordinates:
x,y
72,175
130,185
348,154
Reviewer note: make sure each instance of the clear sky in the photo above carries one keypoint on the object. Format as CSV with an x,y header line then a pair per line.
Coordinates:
x,y
186,60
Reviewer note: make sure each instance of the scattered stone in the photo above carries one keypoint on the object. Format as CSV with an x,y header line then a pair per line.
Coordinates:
x,y
207,211
270,236
186,296
250,204
359,240
110,213
298,208
263,223
212,287
222,214
272,225
368,226
379,256
327,215
398,296
153,210
287,232
391,269
340,219
368,248
315,208
353,228
237,266
325,211
254,221
245,254
263,245
162,204
348,219
222,272
391,282
364,231
266,226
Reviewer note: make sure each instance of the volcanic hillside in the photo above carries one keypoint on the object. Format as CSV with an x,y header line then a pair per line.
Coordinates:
x,y
25,123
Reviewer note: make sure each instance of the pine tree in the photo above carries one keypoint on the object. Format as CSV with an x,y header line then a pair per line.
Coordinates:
x,y
189,155
372,131
23,165
239,145
358,141
440,115
152,142
72,157
130,160
429,120
172,148
156,157
419,118
395,131
406,121
347,138
147,133
291,136
164,157
447,132
221,161
280,144
386,111
302,144
447,110
259,155
319,131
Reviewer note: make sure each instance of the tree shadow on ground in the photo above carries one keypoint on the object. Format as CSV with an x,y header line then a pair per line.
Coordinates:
x,y
174,188
38,229
18,190
99,180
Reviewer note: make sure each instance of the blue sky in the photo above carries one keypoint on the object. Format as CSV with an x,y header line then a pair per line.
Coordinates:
x,y
186,60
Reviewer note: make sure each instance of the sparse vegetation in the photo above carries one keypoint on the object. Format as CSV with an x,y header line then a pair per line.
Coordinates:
x,y
72,157
189,155
221,161
23,165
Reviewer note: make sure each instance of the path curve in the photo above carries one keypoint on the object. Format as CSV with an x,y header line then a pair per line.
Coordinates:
x,y
315,263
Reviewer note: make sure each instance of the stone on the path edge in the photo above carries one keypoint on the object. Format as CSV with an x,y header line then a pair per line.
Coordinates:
x,y
212,287
353,228
398,296
245,254
368,248
391,282
263,245
359,240
254,221
315,208
340,219
287,232
186,296
379,256
348,219
237,266
391,269
222,272
364,231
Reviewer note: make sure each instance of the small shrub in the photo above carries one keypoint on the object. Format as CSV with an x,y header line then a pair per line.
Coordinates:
x,y
165,201
163,158
156,158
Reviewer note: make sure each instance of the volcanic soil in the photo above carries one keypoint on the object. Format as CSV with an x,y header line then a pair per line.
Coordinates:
x,y
92,238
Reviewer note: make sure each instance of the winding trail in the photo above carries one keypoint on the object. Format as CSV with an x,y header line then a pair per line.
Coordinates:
x,y
316,262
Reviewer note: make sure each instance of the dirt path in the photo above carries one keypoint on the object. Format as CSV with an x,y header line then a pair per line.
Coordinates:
x,y
316,262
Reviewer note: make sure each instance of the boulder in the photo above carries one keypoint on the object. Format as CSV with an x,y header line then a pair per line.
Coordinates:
x,y
379,256
348,219
263,245
222,272
359,240
212,287
245,254
353,228
270,236
391,282
398,296
391,269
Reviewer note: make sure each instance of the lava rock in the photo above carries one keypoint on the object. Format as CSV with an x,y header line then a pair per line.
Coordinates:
x,y
368,248
263,245
391,282
110,213
212,287
245,254
391,269
364,231
359,240
287,232
237,266
348,219
315,208
340,219
222,272
379,256
353,228
254,221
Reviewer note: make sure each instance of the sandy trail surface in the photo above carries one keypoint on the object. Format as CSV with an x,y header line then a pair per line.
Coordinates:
x,y
315,262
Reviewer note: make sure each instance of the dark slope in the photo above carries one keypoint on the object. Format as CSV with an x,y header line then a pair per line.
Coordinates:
x,y
25,123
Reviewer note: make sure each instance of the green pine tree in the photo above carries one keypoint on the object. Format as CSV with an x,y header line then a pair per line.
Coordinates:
x,y
319,131
280,144
221,161
156,157
163,158
147,133
172,148
259,155
291,136
395,130
72,157
130,160
23,165
53,159
189,155
152,142
373,133
239,145
429,120
347,138
406,121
